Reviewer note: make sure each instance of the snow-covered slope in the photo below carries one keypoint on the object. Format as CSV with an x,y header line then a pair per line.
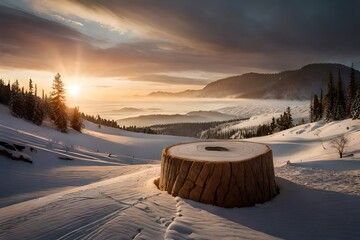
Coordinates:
x,y
312,141
97,153
259,114
252,108
97,196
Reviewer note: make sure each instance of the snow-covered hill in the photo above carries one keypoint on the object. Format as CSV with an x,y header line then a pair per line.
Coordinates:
x,y
107,190
98,154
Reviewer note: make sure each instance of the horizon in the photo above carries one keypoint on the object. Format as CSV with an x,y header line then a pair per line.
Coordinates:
x,y
73,92
118,50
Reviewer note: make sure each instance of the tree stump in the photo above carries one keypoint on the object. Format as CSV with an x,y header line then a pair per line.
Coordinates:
x,y
222,173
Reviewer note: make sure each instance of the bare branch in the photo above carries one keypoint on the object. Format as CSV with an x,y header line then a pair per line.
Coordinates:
x,y
340,143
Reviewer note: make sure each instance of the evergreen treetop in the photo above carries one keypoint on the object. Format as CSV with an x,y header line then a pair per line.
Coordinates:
x,y
58,107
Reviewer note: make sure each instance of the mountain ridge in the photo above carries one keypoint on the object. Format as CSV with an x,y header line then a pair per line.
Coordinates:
x,y
298,84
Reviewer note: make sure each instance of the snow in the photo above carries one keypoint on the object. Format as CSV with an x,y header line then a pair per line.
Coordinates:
x,y
259,114
232,150
102,196
310,142
267,108
89,151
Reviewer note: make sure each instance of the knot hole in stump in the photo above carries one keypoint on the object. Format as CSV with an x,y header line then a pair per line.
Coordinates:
x,y
220,149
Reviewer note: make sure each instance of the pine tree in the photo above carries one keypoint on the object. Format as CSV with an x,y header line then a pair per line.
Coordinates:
x,y
4,92
355,110
340,105
57,102
329,102
39,113
46,105
272,124
321,110
30,102
351,92
16,100
281,123
289,123
316,109
76,121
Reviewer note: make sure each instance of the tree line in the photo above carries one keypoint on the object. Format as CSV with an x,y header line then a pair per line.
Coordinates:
x,y
336,105
100,121
28,105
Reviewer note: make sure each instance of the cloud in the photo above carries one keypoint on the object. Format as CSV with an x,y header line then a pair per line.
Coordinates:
x,y
167,79
241,26
61,18
28,41
31,42
228,37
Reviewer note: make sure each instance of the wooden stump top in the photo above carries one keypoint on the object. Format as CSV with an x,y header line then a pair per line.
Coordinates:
x,y
229,151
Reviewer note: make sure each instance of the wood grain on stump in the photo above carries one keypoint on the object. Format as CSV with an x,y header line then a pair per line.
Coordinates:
x,y
222,173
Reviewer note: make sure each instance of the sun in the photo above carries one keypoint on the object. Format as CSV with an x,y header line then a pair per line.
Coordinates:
x,y
74,90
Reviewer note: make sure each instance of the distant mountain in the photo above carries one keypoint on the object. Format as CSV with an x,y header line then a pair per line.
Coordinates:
x,y
190,117
294,84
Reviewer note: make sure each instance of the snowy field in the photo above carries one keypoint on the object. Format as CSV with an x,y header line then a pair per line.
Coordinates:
x,y
107,190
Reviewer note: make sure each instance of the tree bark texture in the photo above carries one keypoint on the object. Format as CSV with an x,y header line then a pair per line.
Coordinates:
x,y
225,183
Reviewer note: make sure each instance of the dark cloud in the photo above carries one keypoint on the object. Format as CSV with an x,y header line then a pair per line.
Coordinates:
x,y
247,26
211,36
28,41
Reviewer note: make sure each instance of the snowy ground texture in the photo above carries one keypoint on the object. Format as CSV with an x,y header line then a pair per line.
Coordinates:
x,y
101,196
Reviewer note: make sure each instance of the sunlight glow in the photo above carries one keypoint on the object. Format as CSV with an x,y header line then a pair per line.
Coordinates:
x,y
74,90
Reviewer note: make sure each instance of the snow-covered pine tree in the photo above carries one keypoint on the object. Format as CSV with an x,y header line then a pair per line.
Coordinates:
x,y
351,92
355,110
329,102
340,104
57,102
76,121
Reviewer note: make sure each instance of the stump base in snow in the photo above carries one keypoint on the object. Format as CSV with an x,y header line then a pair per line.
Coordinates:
x,y
222,173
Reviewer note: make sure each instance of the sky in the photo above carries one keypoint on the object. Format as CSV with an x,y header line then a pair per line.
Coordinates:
x,y
116,49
